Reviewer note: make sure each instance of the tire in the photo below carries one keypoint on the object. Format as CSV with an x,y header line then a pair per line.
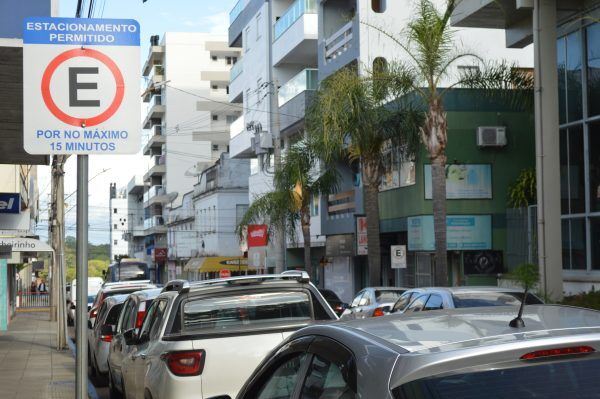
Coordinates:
x,y
113,392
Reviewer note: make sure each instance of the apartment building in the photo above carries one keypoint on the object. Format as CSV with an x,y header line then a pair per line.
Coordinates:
x,y
135,218
118,222
187,124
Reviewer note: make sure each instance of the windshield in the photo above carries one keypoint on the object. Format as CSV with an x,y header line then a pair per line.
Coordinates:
x,y
132,271
574,379
387,295
476,299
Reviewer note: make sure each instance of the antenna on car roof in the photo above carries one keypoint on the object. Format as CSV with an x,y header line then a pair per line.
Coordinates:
x,y
525,275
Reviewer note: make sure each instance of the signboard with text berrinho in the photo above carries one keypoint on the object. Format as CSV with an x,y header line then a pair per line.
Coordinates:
x,y
81,86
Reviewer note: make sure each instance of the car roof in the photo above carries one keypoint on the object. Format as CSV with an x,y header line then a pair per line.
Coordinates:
x,y
146,294
451,328
139,286
386,288
465,289
115,300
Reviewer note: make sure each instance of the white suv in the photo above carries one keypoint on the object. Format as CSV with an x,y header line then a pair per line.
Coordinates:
x,y
203,339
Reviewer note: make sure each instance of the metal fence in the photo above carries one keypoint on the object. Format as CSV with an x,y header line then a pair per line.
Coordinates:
x,y
32,300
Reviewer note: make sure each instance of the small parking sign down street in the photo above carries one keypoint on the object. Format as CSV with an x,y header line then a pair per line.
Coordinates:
x,y
81,86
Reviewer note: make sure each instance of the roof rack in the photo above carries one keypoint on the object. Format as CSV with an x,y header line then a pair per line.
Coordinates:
x,y
125,283
176,285
300,276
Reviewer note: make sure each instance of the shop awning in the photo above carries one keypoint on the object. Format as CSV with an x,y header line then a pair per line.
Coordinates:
x,y
193,264
218,263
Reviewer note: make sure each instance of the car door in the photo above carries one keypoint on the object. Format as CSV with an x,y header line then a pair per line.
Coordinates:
x,y
118,348
146,354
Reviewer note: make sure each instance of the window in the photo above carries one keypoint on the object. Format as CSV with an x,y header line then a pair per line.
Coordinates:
x,y
153,320
254,166
247,39
574,244
228,60
115,226
124,318
314,205
325,379
402,302
396,171
283,380
570,66
356,299
594,166
230,118
418,304
593,70
387,295
572,171
214,58
115,210
434,302
215,147
116,242
227,89
113,315
215,117
215,87
378,6
258,27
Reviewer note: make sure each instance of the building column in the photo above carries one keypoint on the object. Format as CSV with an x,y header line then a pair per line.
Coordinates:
x,y
547,148
3,295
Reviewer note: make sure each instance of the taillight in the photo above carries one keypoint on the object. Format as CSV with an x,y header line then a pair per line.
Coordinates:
x,y
93,313
106,338
378,312
574,350
185,363
140,315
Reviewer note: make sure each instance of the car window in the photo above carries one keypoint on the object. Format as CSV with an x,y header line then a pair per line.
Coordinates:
x,y
282,381
319,311
149,320
159,315
243,310
122,325
365,300
325,379
382,296
418,304
329,295
101,314
113,314
402,302
356,299
483,298
434,302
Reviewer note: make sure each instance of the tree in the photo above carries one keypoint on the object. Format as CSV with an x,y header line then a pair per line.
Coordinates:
x,y
430,47
300,179
352,120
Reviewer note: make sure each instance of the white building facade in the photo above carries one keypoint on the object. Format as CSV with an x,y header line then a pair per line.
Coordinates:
x,y
135,218
119,222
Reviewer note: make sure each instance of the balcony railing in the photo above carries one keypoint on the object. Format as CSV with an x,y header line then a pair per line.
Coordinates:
x,y
154,221
157,70
156,130
237,10
339,42
153,192
155,100
236,70
292,14
305,80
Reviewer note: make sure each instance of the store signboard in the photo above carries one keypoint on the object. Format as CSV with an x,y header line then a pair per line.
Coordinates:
x,y
361,236
463,181
464,232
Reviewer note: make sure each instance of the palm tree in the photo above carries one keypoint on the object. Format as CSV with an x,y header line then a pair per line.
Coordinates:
x,y
300,179
432,55
351,121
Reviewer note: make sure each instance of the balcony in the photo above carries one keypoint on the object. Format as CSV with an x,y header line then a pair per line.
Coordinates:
x,y
156,110
339,49
295,97
155,225
158,168
156,195
296,34
237,10
240,144
155,140
236,83
157,76
155,56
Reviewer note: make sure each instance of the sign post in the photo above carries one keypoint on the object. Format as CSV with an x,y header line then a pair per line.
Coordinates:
x,y
81,96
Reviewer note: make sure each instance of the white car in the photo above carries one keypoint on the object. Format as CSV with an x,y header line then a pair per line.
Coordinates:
x,y
94,285
203,339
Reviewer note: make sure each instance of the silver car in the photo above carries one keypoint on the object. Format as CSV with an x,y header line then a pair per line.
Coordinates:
x,y
450,354
100,335
372,301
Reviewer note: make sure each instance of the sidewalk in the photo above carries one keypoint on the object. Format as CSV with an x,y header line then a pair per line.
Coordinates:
x,y
30,365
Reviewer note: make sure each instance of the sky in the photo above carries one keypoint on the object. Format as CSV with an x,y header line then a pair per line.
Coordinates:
x,y
155,17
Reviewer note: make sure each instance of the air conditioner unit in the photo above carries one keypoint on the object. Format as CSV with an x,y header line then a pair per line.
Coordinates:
x,y
491,136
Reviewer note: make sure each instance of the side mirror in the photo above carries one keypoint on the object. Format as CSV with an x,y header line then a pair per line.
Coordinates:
x,y
90,326
107,329
130,337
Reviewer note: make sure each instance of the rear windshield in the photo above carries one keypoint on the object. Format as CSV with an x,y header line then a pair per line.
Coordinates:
x,y
476,299
113,315
387,295
244,310
575,379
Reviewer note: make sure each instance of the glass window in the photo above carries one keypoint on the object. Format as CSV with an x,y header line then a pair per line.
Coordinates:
x,y
252,308
152,319
478,299
573,244
113,315
402,302
434,303
356,299
124,317
325,379
594,166
572,378
382,296
418,304
593,60
562,80
572,171
283,380
574,77
378,6
595,242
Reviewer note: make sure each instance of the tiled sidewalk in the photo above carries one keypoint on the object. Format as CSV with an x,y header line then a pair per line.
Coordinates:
x,y
30,365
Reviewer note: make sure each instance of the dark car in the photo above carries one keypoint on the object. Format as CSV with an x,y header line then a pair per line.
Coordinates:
x,y
334,301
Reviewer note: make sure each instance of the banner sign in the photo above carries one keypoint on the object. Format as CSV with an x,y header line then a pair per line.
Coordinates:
x,y
464,232
10,203
257,235
361,236
81,86
464,181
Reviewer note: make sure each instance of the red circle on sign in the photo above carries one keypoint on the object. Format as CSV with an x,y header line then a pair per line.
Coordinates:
x,y
224,273
71,120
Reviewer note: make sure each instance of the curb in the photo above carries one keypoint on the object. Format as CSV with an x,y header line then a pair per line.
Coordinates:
x,y
92,394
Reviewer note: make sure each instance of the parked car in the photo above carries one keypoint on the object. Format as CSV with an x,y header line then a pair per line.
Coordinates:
x,y
372,302
433,298
111,289
100,336
131,318
203,338
458,353
94,285
334,301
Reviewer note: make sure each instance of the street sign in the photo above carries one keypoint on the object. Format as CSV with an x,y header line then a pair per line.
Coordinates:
x,y
10,203
81,86
224,273
398,253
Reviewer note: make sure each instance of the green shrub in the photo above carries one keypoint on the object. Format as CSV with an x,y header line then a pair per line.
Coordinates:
x,y
590,300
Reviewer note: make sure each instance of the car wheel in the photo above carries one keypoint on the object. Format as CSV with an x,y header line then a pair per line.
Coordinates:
x,y
113,392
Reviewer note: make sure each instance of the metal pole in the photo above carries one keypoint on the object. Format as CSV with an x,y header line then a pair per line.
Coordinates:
x,y
59,268
82,276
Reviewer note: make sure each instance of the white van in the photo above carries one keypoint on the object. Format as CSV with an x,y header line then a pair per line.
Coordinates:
x,y
94,285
